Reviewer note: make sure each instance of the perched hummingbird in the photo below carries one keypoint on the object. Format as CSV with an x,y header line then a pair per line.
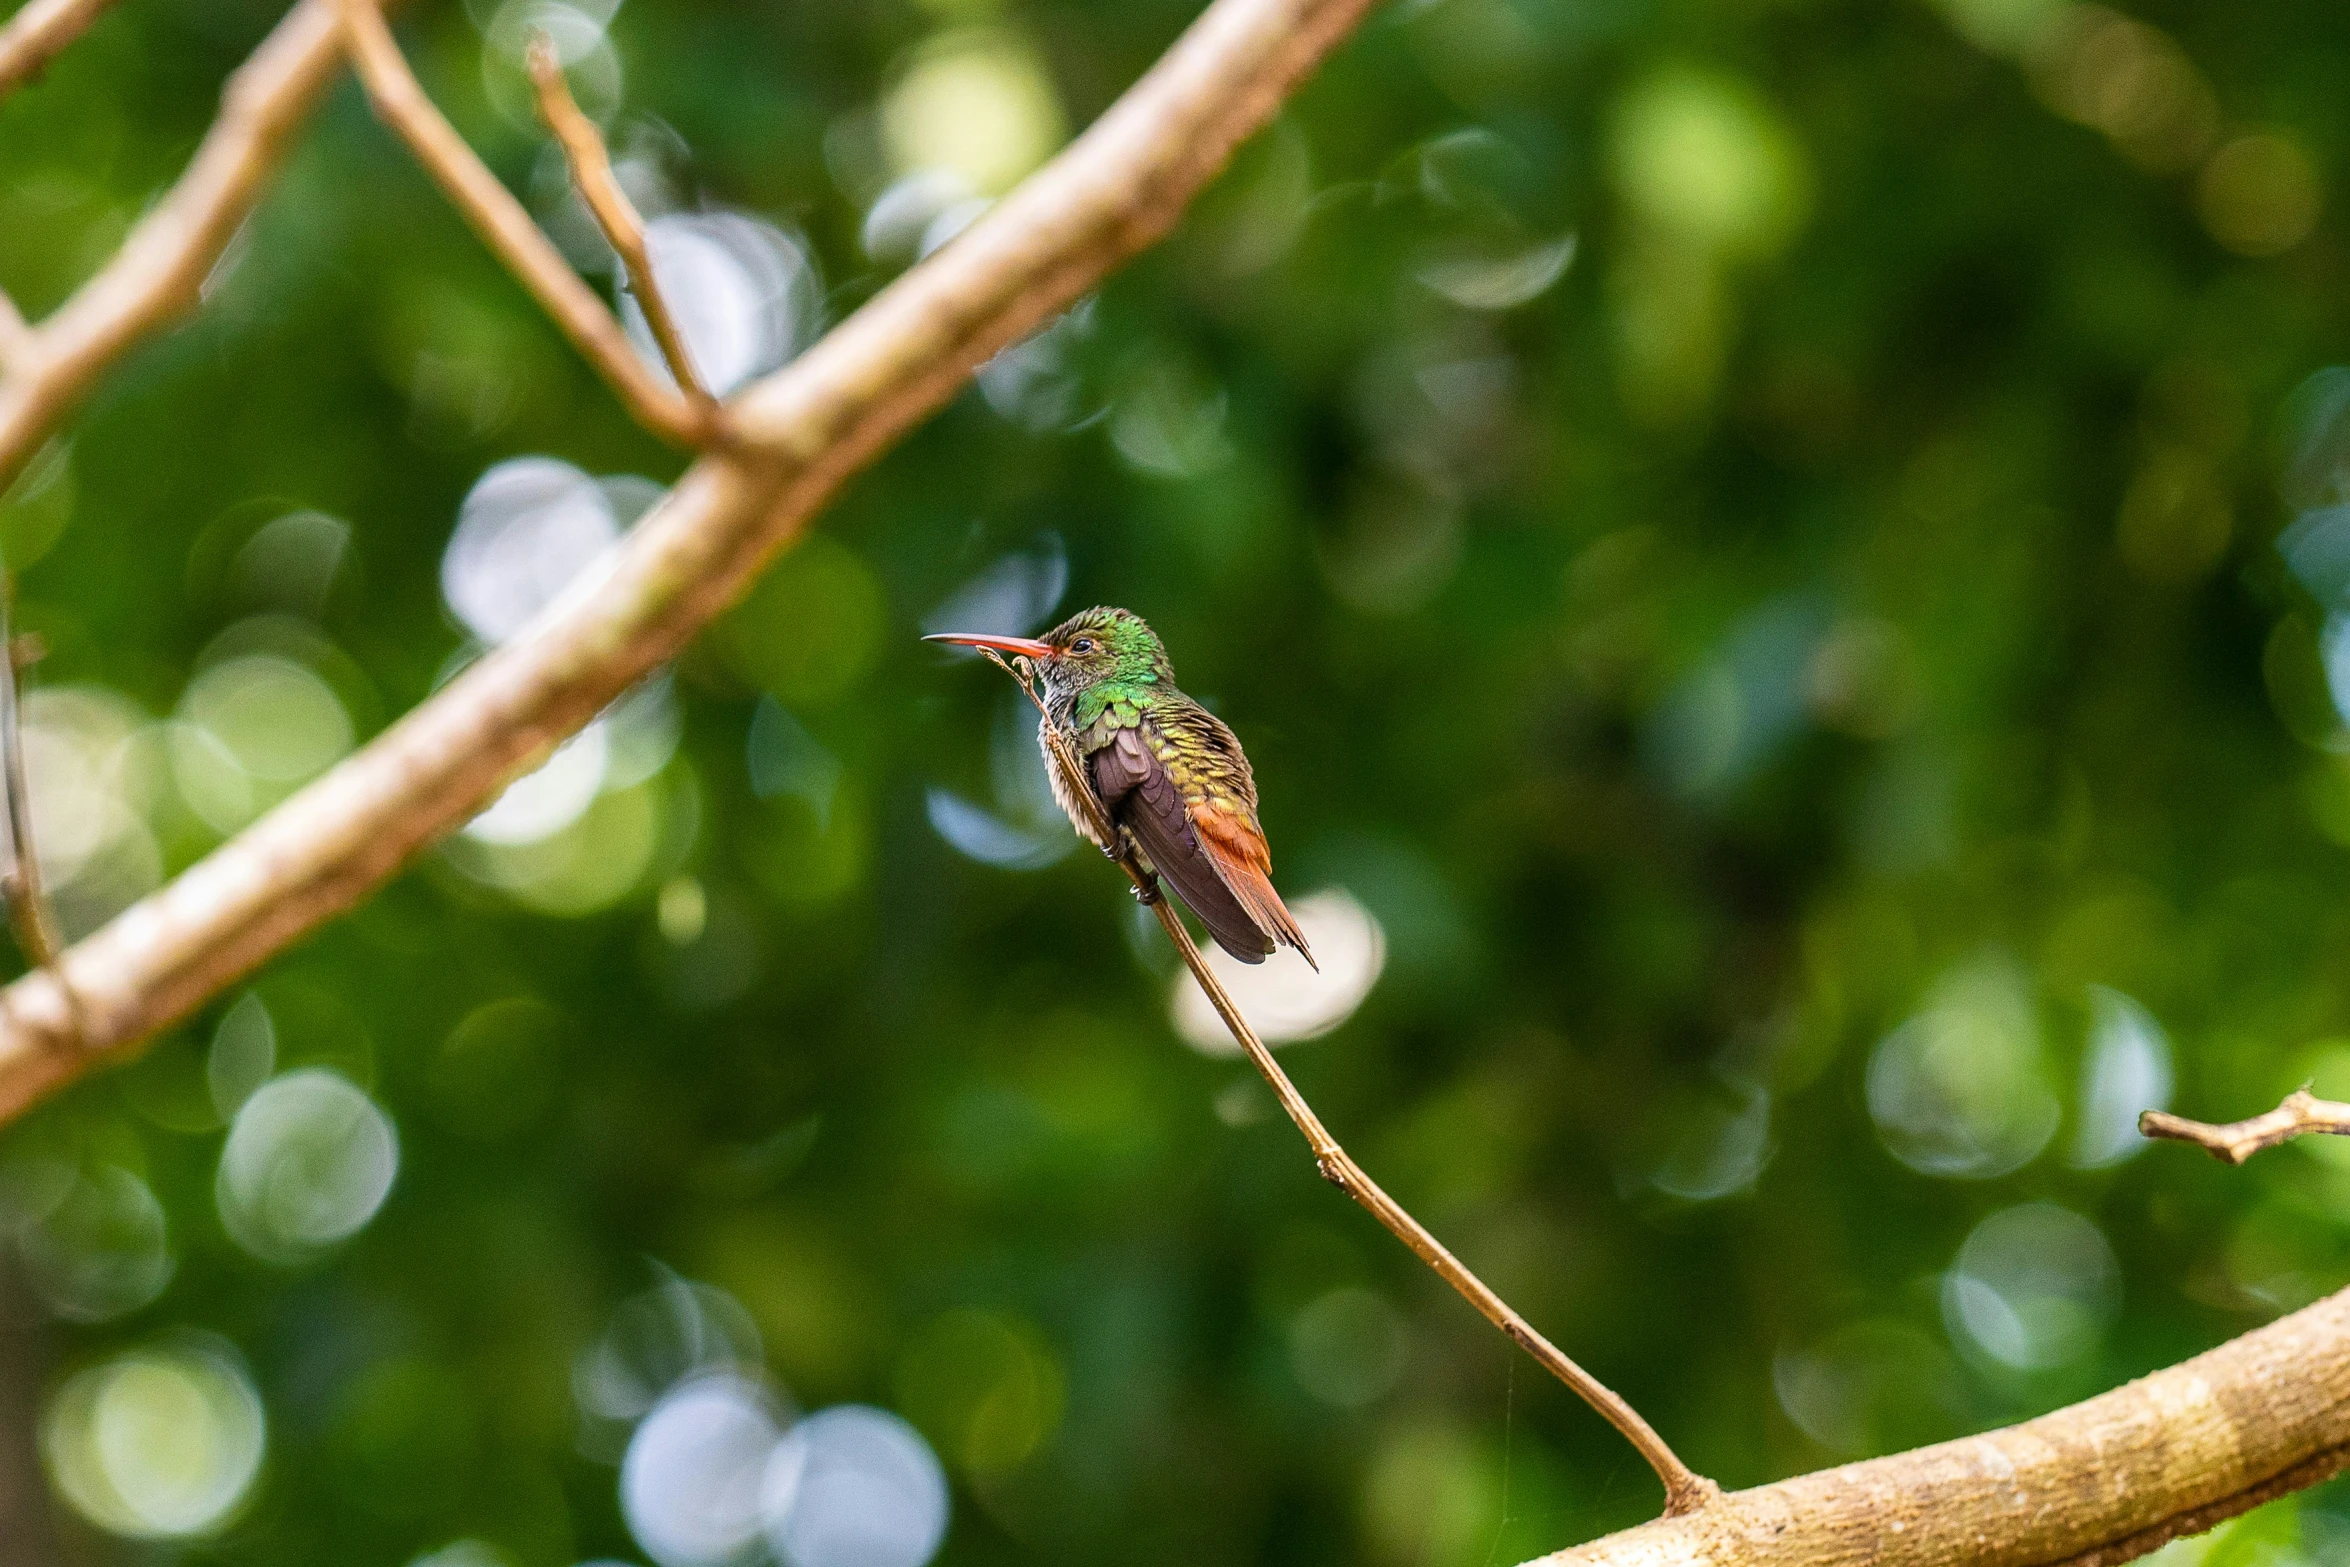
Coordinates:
x,y
1167,771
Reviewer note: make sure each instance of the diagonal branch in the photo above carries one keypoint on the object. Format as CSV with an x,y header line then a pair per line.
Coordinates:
x,y
2093,1485
615,214
2233,1142
38,33
1685,1490
808,427
508,230
155,275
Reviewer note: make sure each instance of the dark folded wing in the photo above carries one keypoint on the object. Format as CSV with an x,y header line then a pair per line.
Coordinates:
x,y
1213,778
1143,799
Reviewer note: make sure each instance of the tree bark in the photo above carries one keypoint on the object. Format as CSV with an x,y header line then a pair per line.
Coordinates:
x,y
2091,1485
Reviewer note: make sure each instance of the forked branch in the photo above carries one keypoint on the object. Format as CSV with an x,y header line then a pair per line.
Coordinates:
x,y
615,214
802,431
509,231
1685,1490
2233,1142
2088,1486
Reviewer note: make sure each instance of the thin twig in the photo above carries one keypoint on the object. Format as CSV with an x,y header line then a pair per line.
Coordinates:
x,y
615,214
2187,1444
38,33
157,273
2233,1142
507,229
1685,1490
29,914
806,428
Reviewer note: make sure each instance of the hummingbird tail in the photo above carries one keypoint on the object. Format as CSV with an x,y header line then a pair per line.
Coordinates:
x,y
1245,866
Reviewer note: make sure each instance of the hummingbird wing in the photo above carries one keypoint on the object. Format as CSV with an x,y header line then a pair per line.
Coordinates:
x,y
1135,786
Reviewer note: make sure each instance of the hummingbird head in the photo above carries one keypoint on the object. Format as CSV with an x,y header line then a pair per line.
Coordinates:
x,y
1095,647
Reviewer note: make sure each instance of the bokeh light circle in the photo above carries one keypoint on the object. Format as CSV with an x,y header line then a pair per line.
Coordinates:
x,y
1961,1089
160,1443
690,1482
1284,997
308,1161
854,1486
527,529
2034,1288
102,1251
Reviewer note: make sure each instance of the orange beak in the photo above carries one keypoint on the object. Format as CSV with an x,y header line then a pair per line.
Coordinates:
x,y
1023,647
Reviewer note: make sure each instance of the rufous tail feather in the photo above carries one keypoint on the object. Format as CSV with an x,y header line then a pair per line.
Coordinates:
x,y
1245,866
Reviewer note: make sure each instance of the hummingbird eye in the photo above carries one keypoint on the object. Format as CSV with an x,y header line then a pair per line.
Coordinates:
x,y
1081,645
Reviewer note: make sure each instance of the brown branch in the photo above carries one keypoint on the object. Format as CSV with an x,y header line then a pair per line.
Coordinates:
x,y
38,33
808,427
615,214
29,914
1685,1489
508,230
155,275
2172,1453
2233,1142
2093,1485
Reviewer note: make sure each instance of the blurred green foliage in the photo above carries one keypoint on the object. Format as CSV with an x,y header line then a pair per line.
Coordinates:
x,y
1743,535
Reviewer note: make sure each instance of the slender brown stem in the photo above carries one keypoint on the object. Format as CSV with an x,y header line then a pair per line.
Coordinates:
x,y
158,273
1685,1490
38,33
507,229
805,430
2233,1142
29,914
615,214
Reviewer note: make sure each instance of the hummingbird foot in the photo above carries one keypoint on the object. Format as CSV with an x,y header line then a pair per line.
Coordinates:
x,y
1146,895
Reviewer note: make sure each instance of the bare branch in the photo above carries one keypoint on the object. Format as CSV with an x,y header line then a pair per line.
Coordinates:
x,y
2085,1487
2099,1483
615,214
1685,1490
510,233
38,33
2233,1142
155,275
818,420
29,914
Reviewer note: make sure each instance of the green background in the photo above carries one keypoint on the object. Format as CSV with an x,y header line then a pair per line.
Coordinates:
x,y
1835,626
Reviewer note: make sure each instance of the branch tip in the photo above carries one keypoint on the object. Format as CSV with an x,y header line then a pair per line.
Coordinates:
x,y
509,230
2232,1142
624,228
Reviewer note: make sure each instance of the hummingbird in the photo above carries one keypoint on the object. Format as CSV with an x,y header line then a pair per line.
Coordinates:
x,y
1167,772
